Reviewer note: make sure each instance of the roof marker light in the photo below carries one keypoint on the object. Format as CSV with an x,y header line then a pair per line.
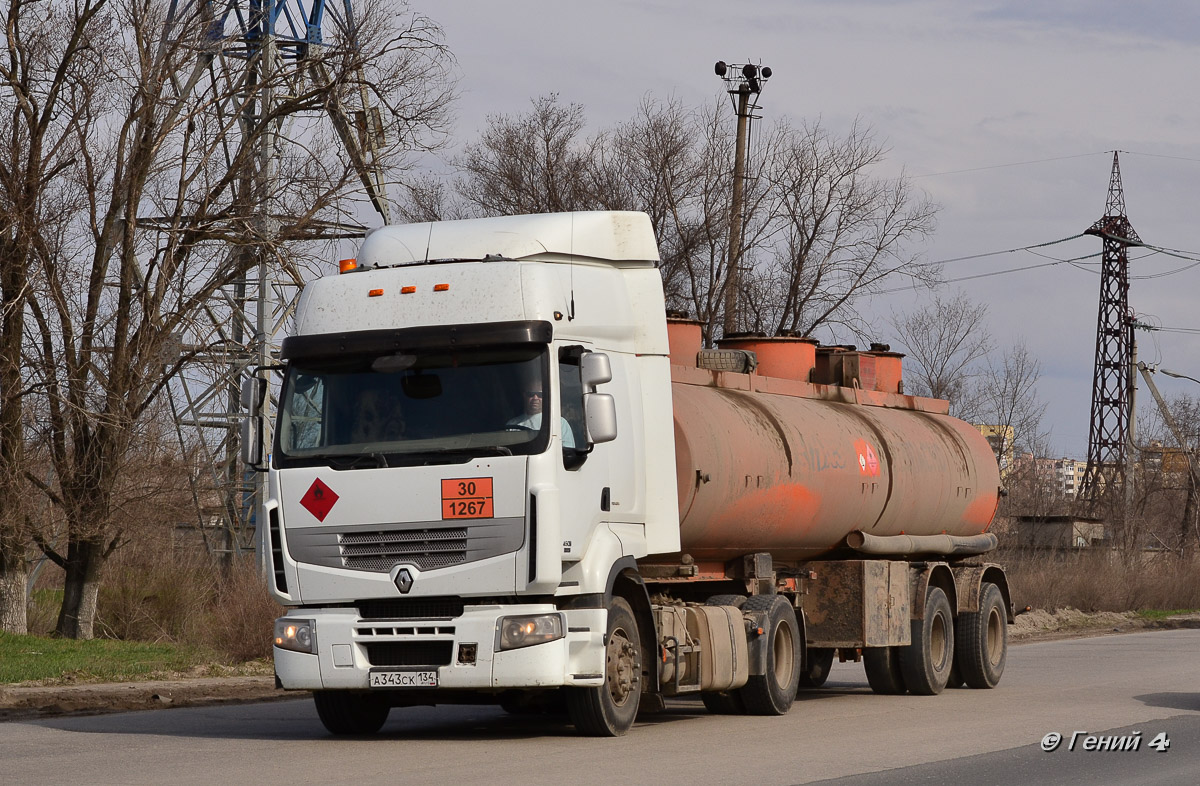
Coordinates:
x,y
375,293
440,287
407,290
346,265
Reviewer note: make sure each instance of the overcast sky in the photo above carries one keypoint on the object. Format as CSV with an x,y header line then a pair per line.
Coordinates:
x,y
951,86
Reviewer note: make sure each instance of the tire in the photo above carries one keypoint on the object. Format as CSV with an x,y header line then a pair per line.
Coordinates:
x,y
726,600
773,692
346,712
609,710
882,665
981,647
816,670
926,663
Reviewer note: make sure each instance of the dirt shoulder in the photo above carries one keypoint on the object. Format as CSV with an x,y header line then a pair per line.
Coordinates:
x,y
24,702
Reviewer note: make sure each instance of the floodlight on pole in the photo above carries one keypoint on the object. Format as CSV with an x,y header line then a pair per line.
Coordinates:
x,y
744,83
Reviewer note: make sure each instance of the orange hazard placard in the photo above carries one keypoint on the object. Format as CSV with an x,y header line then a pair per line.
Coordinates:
x,y
467,498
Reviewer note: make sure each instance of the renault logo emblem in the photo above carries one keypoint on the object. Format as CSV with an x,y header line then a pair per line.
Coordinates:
x,y
404,581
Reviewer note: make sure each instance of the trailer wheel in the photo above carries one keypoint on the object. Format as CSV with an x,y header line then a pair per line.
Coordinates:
x,y
882,665
816,671
982,643
608,710
927,661
347,712
773,692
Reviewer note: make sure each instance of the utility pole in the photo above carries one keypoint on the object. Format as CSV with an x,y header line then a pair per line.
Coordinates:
x,y
1106,473
743,86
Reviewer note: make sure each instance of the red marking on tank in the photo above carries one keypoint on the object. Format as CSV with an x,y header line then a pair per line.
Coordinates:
x,y
319,499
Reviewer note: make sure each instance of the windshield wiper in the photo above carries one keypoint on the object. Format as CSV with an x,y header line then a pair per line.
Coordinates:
x,y
355,462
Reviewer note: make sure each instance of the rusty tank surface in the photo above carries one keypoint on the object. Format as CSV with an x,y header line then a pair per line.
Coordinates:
x,y
791,467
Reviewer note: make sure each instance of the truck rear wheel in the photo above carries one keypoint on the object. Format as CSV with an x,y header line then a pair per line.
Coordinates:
x,y
349,712
882,665
608,710
816,671
982,641
773,692
927,661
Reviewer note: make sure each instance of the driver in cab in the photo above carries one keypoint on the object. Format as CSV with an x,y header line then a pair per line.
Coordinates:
x,y
532,417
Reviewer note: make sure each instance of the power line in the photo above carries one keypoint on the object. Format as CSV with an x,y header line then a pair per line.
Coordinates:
x,y
1015,163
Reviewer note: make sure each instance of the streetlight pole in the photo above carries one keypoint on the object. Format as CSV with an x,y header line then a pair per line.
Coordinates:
x,y
743,87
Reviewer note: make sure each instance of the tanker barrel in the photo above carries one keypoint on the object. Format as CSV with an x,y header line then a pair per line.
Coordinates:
x,y
903,545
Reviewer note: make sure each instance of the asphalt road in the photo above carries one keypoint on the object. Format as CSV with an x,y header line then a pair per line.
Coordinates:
x,y
1109,685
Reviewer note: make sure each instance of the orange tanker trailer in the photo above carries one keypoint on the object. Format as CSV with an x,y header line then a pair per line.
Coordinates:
x,y
805,471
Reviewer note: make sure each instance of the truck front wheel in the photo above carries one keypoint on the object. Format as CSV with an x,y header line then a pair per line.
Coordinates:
x,y
608,710
347,712
773,692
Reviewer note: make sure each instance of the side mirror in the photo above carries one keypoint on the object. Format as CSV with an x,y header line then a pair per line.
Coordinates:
x,y
252,441
601,412
253,392
594,369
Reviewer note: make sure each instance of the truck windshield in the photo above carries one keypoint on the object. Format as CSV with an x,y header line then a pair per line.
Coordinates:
x,y
424,407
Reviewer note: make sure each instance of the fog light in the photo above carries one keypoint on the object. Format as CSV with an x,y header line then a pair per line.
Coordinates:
x,y
295,635
525,631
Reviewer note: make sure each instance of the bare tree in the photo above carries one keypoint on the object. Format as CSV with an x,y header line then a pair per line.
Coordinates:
x,y
45,43
820,229
163,210
536,162
945,340
1008,400
836,231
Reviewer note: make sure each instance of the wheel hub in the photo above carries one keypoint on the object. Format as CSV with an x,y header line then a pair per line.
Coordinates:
x,y
621,660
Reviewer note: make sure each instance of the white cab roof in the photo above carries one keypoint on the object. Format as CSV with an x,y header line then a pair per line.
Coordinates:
x,y
621,237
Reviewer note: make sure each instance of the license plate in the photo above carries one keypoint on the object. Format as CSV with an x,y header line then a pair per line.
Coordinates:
x,y
403,679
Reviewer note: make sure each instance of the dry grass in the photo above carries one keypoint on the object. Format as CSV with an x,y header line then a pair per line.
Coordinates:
x,y
1103,580
183,596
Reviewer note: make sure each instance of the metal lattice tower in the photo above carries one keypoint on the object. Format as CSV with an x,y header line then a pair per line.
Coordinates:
x,y
257,48
1105,475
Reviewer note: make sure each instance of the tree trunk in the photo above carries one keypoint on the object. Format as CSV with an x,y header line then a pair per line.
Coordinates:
x,y
85,562
13,600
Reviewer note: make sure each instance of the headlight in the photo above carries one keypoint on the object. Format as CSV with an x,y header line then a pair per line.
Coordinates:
x,y
516,632
297,635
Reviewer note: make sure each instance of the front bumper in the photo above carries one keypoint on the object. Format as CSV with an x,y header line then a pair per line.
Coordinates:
x,y
346,645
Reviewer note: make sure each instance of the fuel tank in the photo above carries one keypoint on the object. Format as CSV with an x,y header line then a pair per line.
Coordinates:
x,y
792,468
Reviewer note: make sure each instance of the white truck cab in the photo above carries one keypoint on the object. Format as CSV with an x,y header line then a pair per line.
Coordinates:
x,y
474,437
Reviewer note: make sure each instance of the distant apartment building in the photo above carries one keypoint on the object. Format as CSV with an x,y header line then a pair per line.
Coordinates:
x,y
1069,472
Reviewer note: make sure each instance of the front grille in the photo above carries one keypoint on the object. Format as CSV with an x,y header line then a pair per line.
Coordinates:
x,y
427,549
426,545
410,653
414,609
